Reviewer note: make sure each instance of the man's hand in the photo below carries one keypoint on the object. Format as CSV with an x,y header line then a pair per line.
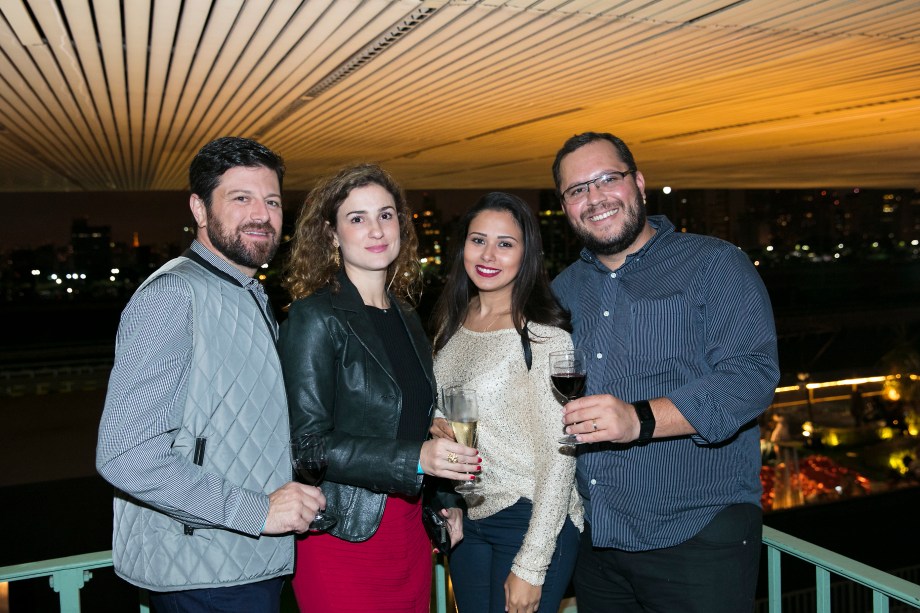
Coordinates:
x,y
292,507
520,596
601,418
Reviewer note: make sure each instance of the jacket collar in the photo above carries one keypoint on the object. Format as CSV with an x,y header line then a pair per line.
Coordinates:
x,y
357,320
347,298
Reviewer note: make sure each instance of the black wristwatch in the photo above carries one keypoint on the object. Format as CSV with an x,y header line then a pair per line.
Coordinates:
x,y
646,420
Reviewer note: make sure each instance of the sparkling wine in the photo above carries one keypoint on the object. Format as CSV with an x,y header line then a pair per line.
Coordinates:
x,y
570,385
310,472
465,432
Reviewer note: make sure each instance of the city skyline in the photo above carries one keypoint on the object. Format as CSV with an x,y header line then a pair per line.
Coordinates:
x,y
162,217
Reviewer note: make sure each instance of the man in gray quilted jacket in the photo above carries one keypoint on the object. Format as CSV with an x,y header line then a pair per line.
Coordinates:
x,y
195,434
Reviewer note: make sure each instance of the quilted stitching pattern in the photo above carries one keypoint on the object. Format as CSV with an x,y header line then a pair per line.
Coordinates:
x,y
236,400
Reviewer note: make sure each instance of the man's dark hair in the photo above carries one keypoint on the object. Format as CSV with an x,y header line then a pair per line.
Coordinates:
x,y
222,154
586,138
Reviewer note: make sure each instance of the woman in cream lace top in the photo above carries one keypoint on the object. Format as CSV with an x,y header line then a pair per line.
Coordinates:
x,y
496,322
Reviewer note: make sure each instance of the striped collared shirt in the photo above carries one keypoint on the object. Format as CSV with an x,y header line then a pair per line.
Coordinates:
x,y
688,318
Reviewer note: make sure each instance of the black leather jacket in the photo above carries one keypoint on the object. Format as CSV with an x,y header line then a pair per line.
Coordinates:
x,y
339,382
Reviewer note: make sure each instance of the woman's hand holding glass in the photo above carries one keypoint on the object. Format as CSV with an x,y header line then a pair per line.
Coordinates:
x,y
448,459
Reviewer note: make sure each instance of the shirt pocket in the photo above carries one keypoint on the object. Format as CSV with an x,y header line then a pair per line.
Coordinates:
x,y
661,327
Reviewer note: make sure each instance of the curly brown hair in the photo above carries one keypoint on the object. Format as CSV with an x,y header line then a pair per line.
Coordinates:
x,y
312,262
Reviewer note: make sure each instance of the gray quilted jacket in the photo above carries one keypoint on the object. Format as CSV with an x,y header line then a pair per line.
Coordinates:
x,y
235,400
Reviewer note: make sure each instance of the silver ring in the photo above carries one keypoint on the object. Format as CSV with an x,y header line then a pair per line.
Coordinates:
x,y
452,457
594,424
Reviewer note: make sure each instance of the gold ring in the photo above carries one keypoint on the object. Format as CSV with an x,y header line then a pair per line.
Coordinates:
x,y
452,457
594,423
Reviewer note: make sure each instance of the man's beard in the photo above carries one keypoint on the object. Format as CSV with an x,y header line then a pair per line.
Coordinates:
x,y
235,250
633,221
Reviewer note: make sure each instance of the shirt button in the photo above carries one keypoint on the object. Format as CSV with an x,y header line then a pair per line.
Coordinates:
x,y
613,275
593,481
606,313
600,355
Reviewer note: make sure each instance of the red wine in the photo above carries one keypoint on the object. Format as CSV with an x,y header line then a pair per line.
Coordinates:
x,y
570,385
311,473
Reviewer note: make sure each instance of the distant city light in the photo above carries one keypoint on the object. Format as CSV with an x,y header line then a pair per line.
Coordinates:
x,y
839,245
58,281
769,247
265,265
54,277
836,256
875,245
115,271
915,242
666,189
82,276
69,290
112,278
36,272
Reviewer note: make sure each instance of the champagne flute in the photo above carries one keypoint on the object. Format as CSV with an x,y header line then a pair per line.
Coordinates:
x,y
568,372
462,412
310,461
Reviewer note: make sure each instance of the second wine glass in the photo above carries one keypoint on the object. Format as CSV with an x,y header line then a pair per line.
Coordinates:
x,y
308,452
462,411
568,371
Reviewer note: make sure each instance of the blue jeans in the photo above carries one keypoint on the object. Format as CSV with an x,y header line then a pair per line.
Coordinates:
x,y
480,564
713,572
259,597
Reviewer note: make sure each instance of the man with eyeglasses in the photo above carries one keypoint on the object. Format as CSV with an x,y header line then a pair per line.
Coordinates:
x,y
682,360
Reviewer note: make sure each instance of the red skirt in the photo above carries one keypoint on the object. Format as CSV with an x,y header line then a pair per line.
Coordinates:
x,y
391,571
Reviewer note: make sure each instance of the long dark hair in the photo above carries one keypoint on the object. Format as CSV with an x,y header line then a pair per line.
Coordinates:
x,y
532,299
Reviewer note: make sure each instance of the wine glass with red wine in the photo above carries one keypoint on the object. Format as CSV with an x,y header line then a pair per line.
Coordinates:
x,y
309,457
568,372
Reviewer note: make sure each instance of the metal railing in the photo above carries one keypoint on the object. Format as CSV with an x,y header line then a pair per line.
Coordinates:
x,y
68,575
884,586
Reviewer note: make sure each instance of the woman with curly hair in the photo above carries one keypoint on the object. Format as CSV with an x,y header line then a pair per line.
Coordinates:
x,y
358,371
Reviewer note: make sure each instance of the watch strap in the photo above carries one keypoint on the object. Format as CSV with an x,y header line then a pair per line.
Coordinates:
x,y
646,420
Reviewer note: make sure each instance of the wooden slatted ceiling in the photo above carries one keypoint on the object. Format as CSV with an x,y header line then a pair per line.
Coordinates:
x,y
119,94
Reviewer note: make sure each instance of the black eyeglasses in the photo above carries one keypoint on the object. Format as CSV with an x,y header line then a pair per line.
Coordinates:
x,y
607,182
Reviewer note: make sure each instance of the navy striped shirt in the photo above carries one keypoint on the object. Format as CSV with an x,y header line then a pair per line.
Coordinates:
x,y
687,318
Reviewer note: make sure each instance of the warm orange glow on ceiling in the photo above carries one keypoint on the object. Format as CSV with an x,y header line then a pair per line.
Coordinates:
x,y
462,94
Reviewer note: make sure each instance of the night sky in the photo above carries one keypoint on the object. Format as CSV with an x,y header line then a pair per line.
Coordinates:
x,y
36,219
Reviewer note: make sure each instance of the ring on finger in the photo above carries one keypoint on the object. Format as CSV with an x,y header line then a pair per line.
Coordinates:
x,y
452,457
594,424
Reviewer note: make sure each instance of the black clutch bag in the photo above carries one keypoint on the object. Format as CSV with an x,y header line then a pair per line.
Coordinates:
x,y
437,529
